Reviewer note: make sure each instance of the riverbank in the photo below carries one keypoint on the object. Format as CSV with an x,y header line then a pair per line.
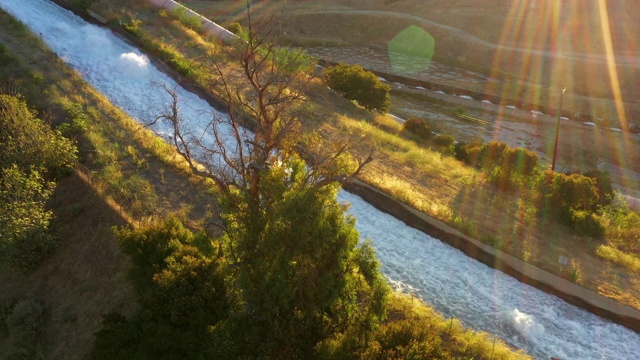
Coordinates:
x,y
584,298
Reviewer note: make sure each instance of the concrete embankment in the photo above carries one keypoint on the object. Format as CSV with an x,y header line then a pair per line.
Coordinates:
x,y
499,260
208,28
506,263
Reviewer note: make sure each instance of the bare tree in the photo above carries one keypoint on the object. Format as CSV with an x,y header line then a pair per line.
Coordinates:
x,y
263,87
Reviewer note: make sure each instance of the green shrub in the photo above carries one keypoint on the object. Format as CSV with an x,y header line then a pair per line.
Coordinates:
x,y
489,154
444,140
82,4
6,306
150,247
5,57
586,223
182,14
360,85
603,183
116,340
572,192
132,26
418,127
24,325
190,291
24,240
235,28
623,225
77,122
520,161
29,143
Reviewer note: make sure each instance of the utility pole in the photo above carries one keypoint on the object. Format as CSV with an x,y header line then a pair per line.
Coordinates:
x,y
555,144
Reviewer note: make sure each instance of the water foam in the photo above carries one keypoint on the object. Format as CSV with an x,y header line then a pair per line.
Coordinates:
x,y
525,324
413,262
134,64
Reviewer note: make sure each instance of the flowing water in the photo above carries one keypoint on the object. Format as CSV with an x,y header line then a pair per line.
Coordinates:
x,y
482,298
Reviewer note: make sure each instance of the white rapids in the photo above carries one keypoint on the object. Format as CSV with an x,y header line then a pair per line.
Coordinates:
x,y
482,298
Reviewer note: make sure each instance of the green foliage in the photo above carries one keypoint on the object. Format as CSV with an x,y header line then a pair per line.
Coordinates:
x,y
82,4
30,143
116,340
189,292
77,122
132,26
506,168
587,223
182,295
24,325
24,239
5,57
622,224
603,183
149,248
235,28
415,333
182,14
300,265
572,199
418,127
444,140
572,192
360,85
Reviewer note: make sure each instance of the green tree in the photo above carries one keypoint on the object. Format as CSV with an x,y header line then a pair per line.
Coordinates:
x,y
302,270
360,85
292,256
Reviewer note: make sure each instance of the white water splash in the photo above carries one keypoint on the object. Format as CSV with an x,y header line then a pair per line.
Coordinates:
x,y
134,64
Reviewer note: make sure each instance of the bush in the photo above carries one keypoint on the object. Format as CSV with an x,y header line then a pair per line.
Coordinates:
x,y
150,247
603,183
520,161
360,85
24,240
572,192
418,127
444,140
29,143
586,223
235,28
77,122
24,326
182,14
116,340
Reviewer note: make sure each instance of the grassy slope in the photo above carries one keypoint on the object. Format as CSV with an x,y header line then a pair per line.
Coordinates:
x,y
86,276
443,188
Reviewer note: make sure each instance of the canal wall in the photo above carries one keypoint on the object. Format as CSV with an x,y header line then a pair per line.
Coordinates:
x,y
522,271
208,28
